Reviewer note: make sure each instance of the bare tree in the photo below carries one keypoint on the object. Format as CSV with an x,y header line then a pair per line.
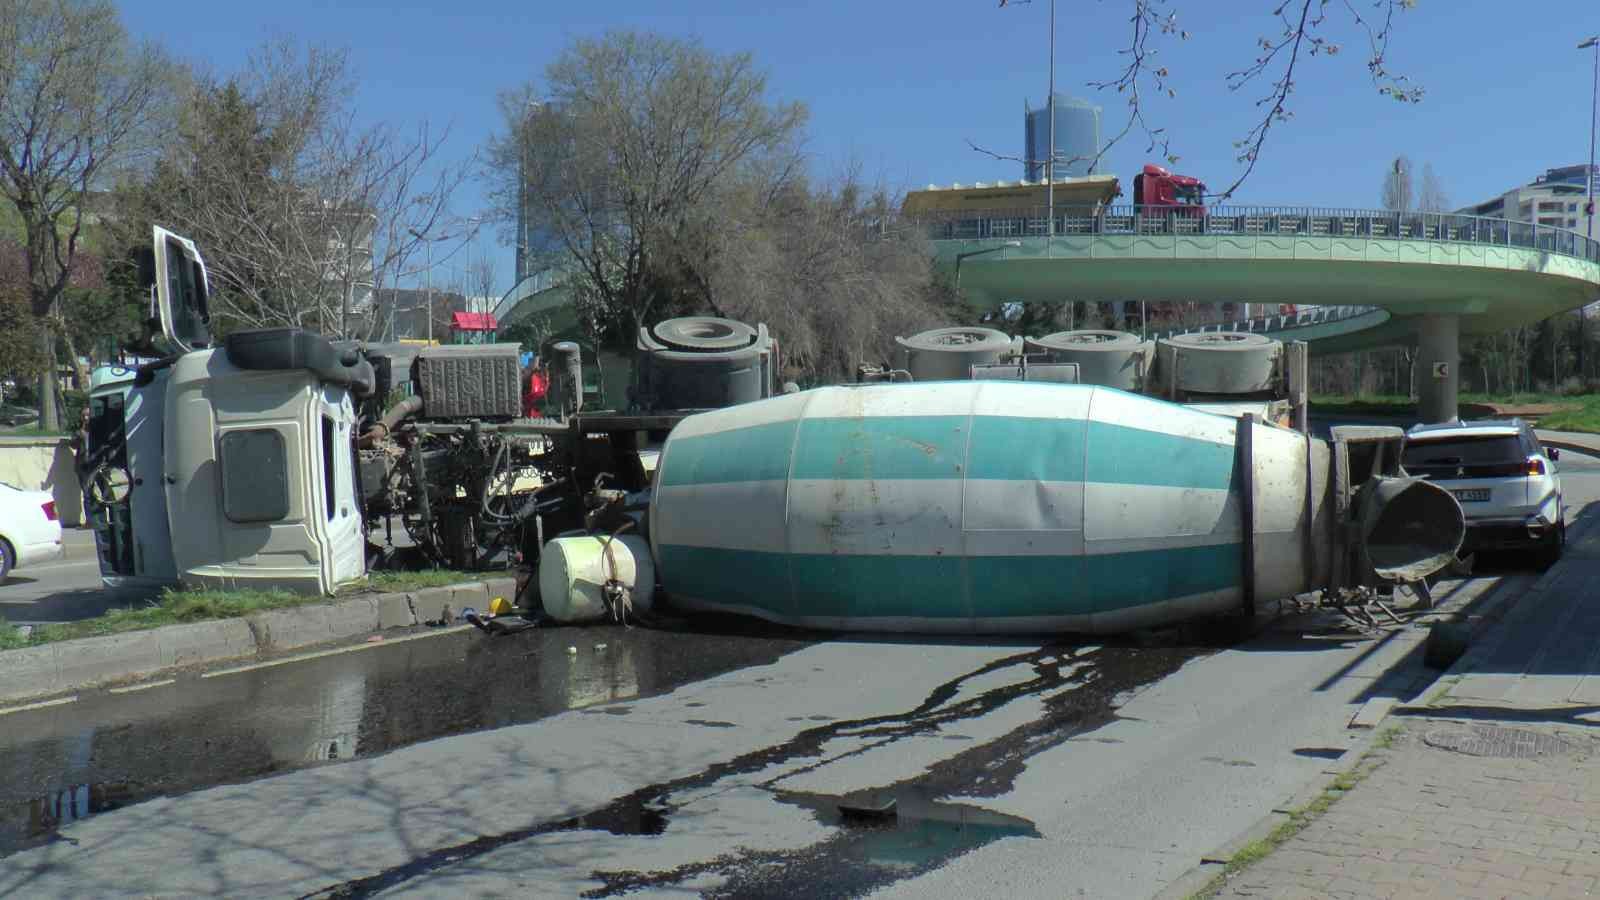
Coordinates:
x,y
1433,197
1397,191
77,98
1304,30
633,132
304,214
831,270
481,279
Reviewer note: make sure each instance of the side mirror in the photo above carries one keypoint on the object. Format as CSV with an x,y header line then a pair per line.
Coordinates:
x,y
1553,453
144,258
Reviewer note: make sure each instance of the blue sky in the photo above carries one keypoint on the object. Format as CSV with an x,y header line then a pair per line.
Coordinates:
x,y
898,87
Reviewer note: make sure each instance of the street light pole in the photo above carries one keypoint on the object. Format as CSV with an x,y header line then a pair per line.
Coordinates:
x,y
1594,102
1050,162
962,256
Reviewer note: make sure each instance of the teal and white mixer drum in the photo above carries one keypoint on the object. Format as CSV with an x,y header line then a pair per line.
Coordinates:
x,y
989,506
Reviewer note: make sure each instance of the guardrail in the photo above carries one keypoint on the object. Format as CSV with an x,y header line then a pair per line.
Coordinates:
x,y
1304,318
1283,221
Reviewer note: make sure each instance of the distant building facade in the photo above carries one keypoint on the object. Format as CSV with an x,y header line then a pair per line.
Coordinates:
x,y
1077,138
1558,198
402,314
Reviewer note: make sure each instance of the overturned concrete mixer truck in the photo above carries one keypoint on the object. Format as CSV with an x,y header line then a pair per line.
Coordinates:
x,y
985,505
1085,481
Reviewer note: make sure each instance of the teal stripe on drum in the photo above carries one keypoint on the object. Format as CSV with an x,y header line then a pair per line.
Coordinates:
x,y
756,453
934,587
1118,454
1016,448
902,448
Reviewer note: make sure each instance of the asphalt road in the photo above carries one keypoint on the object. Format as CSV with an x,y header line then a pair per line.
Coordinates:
x,y
602,761
62,590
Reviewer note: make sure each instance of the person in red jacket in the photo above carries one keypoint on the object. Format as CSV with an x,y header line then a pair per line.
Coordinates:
x,y
538,386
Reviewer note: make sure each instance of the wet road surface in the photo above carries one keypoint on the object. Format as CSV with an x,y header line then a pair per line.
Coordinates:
x,y
846,761
108,750
879,833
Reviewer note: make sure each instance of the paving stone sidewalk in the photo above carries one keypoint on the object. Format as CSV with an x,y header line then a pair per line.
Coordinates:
x,y
1433,819
1493,790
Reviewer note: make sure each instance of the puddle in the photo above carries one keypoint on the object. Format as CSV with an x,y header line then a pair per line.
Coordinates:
x,y
65,764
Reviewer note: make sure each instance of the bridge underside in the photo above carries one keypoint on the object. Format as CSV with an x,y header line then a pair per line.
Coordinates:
x,y
1432,294
1487,299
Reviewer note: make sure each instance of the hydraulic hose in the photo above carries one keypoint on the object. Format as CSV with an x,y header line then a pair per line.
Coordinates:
x,y
403,410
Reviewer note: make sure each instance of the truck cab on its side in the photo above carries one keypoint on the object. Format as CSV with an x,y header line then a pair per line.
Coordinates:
x,y
236,465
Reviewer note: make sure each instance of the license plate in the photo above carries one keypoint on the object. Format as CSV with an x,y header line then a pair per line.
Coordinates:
x,y
1475,494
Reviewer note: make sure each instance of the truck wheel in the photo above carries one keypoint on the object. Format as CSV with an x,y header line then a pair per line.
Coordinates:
x,y
1447,642
8,559
1550,552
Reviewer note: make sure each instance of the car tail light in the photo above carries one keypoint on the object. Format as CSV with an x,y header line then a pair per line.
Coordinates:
x,y
1535,466
49,507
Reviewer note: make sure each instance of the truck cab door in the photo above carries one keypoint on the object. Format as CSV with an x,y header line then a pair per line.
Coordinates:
x,y
181,292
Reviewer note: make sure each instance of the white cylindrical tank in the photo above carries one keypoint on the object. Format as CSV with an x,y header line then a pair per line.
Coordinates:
x,y
977,506
948,354
1221,362
1108,358
574,570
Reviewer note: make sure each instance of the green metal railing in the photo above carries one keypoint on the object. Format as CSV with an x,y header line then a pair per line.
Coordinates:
x,y
1305,318
1282,221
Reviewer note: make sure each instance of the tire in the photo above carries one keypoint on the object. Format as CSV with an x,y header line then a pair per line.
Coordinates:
x,y
1087,340
1550,551
1446,643
704,333
1219,362
8,559
1114,359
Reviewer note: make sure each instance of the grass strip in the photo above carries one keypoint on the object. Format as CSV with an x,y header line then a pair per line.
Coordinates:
x,y
1257,850
177,607
1572,413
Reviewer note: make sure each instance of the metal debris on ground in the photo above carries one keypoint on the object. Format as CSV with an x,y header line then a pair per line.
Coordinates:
x,y
1365,607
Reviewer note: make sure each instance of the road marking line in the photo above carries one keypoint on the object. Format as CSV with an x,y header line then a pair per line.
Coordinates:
x,y
141,687
42,704
387,642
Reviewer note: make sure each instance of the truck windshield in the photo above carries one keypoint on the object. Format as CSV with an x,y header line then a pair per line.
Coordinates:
x,y
1188,195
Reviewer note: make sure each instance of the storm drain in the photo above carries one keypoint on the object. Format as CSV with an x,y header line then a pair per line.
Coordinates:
x,y
1495,741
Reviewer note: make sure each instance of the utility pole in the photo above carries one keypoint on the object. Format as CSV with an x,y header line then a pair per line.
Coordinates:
x,y
1594,102
1050,162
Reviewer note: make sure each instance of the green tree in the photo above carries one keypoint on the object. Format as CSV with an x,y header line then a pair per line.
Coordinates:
x,y
77,99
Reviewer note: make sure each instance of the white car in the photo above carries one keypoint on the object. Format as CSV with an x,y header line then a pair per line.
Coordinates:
x,y
1506,482
30,532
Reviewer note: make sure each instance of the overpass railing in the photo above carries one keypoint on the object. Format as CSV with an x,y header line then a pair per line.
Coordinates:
x,y
1304,318
1018,222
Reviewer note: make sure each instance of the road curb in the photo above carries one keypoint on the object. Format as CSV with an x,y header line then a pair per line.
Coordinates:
x,y
1200,876
31,673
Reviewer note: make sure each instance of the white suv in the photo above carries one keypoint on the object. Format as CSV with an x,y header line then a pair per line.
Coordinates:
x,y
1505,481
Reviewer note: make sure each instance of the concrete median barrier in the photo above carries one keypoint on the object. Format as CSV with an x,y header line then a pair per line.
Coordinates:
x,y
61,667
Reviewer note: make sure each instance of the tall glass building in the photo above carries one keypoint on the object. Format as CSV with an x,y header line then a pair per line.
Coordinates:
x,y
1077,138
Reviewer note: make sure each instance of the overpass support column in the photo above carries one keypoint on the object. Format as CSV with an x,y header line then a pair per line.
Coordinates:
x,y
1438,362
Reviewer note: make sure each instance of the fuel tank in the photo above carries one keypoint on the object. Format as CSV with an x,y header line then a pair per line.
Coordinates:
x,y
1007,507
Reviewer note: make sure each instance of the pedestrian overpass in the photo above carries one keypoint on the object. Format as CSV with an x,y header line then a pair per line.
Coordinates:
x,y
1423,278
